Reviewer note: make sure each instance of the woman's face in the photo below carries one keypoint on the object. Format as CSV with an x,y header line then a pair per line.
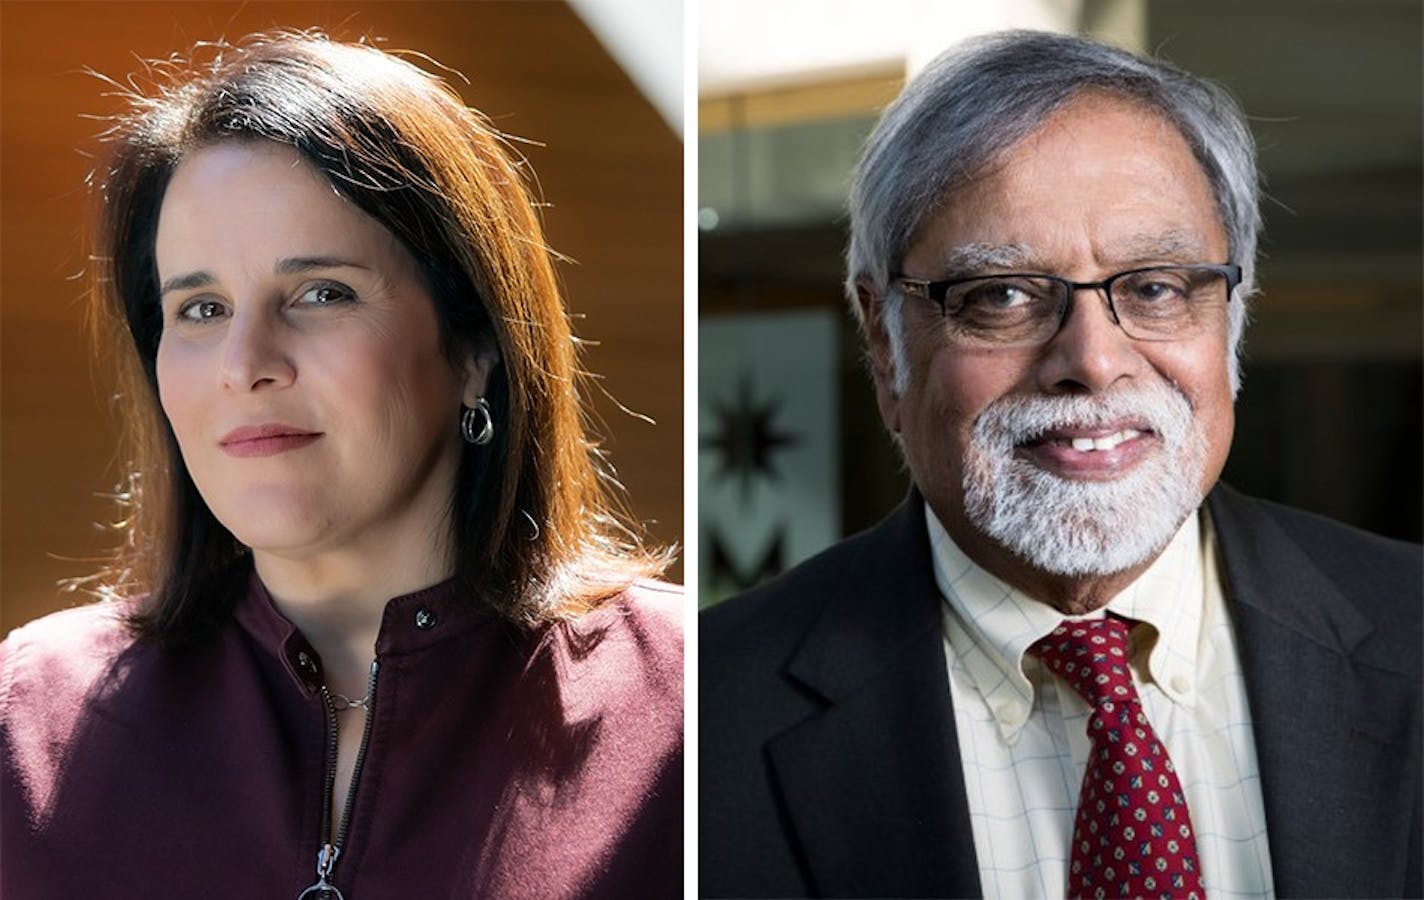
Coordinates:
x,y
300,362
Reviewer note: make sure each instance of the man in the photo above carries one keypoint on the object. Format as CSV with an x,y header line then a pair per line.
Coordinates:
x,y
1052,243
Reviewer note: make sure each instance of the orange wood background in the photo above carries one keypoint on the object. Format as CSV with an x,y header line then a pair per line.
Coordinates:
x,y
608,165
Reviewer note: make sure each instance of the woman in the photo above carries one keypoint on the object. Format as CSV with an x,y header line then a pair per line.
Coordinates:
x,y
379,630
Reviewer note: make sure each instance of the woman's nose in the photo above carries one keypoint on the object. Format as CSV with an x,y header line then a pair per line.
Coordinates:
x,y
253,353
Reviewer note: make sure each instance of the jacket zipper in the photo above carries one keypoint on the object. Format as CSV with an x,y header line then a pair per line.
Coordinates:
x,y
330,851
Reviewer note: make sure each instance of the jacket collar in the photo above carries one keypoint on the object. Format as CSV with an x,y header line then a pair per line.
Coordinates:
x,y
873,782
410,623
1332,744
1271,574
887,600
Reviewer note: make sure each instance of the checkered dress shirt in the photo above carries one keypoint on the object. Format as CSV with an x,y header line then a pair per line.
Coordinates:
x,y
1022,733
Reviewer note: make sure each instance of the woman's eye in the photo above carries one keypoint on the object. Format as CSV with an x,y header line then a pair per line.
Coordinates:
x,y
201,310
326,295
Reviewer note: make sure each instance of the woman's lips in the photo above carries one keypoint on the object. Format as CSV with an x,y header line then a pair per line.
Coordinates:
x,y
1096,454
265,440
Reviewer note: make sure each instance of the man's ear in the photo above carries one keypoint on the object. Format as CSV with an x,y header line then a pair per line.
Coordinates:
x,y
882,361
478,362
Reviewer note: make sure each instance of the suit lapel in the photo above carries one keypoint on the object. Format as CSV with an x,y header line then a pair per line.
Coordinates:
x,y
872,783
1322,721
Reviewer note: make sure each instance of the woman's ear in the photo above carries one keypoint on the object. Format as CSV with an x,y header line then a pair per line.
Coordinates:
x,y
479,362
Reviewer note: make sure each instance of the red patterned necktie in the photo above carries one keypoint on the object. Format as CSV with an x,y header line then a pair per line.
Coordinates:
x,y
1132,836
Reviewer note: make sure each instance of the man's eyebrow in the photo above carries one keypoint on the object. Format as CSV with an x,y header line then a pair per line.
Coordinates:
x,y
1174,245
977,258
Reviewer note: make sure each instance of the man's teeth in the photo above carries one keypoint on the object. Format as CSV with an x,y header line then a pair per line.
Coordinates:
x,y
1084,445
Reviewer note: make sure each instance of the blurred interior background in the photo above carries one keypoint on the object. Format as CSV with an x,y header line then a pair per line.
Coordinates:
x,y
595,86
793,455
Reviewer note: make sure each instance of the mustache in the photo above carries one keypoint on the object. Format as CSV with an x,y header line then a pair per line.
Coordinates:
x,y
1158,407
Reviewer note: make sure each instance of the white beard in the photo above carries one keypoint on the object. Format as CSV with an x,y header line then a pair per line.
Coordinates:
x,y
1083,528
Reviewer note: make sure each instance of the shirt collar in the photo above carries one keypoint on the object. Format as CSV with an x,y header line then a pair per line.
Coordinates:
x,y
991,624
410,622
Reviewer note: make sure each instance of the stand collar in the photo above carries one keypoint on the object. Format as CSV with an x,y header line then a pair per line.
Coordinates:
x,y
410,623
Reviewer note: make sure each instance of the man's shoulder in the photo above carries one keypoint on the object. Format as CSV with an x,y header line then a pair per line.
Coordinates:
x,y
1379,579
1350,556
774,615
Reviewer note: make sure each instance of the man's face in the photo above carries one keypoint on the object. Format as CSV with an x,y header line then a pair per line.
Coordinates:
x,y
1103,186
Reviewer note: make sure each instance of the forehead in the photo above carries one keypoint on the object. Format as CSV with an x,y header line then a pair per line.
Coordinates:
x,y
231,168
1104,176
256,199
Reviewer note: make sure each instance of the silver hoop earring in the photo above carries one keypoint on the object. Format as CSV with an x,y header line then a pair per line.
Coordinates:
x,y
476,423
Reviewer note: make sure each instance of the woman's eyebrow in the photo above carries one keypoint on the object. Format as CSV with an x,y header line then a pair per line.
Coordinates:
x,y
295,265
186,282
292,265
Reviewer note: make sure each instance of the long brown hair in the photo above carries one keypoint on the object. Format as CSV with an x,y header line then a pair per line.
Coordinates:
x,y
537,525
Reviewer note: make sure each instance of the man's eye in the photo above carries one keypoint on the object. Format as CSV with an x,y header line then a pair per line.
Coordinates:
x,y
1156,289
202,310
326,294
991,295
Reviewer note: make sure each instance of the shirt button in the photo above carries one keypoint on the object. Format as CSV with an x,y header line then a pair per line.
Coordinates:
x,y
1007,715
1181,684
424,619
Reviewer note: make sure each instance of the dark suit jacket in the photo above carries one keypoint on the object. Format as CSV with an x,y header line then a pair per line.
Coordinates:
x,y
829,763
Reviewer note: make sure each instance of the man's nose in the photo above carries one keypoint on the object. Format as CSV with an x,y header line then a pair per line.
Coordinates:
x,y
1090,352
254,354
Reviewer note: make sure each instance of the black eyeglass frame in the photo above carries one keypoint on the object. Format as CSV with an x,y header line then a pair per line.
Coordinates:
x,y
938,290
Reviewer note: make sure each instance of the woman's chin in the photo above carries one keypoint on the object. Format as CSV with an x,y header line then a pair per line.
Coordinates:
x,y
286,533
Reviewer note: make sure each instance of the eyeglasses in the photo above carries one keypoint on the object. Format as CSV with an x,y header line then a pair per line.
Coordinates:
x,y
1158,303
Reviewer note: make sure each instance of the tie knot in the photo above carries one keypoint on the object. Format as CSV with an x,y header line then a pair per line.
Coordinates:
x,y
1091,656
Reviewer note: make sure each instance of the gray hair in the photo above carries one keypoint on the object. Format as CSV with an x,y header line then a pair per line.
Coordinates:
x,y
980,98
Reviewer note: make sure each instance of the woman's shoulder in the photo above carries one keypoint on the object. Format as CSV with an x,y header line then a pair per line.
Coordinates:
x,y
646,611
63,653
627,649
50,673
652,605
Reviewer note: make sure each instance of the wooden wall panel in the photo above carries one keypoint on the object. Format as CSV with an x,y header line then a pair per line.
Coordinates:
x,y
608,165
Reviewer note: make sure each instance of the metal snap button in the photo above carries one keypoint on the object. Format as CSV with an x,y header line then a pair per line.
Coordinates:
x,y
424,619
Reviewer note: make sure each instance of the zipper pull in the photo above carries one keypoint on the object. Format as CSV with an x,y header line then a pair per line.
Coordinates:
x,y
323,889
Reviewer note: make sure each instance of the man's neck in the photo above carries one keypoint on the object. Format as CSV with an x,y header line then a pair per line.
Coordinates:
x,y
1071,595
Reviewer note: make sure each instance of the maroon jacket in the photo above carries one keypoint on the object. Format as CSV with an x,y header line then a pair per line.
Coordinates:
x,y
499,763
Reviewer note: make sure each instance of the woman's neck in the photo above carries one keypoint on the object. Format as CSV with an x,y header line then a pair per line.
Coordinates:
x,y
337,601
